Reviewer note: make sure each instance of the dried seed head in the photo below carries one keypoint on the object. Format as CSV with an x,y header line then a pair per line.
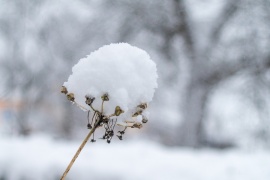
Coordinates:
x,y
118,111
139,112
70,97
144,119
89,126
89,100
143,105
105,119
64,90
110,133
121,132
120,137
105,97
137,125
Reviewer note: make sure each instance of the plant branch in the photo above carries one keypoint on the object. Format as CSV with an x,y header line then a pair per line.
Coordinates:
x,y
79,150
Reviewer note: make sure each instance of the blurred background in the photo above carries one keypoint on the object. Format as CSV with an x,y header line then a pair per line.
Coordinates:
x,y
213,100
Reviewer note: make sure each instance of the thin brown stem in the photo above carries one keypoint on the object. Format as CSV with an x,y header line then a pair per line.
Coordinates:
x,y
102,106
80,106
111,115
79,150
93,108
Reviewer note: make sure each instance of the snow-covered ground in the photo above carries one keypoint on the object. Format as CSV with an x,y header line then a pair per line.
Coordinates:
x,y
41,158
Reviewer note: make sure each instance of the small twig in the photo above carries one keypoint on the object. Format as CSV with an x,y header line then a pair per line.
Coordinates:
x,y
111,115
102,105
93,117
115,123
89,126
80,106
93,108
79,150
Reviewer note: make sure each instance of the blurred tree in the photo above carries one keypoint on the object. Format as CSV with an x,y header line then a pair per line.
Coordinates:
x,y
30,33
198,45
232,40
23,82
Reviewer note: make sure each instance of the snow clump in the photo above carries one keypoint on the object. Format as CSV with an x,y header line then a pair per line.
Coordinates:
x,y
124,73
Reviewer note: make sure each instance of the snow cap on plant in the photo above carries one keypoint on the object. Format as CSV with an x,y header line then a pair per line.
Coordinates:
x,y
114,83
122,74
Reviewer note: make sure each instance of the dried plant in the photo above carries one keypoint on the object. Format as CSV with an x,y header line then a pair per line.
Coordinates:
x,y
101,120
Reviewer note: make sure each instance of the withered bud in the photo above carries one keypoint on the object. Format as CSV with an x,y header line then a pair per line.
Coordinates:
x,y
144,119
64,90
139,112
118,111
137,125
89,100
105,119
120,137
143,105
121,132
105,97
89,126
70,97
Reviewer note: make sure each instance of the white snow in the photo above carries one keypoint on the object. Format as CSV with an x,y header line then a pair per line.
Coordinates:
x,y
46,159
123,71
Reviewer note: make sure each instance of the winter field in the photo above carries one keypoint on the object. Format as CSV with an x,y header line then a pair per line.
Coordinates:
x,y
42,158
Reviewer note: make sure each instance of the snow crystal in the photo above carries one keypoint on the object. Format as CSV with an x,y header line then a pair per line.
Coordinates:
x,y
123,71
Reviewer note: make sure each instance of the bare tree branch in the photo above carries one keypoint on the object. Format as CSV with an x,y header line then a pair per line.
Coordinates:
x,y
183,28
228,12
226,70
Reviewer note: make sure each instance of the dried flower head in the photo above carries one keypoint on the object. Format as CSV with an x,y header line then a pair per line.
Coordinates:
x,y
64,90
105,97
127,75
70,96
144,119
89,100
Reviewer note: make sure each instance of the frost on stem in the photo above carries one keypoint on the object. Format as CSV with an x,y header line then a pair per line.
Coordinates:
x,y
114,84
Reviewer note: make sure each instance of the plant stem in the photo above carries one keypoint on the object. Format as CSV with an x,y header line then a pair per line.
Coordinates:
x,y
102,106
79,150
